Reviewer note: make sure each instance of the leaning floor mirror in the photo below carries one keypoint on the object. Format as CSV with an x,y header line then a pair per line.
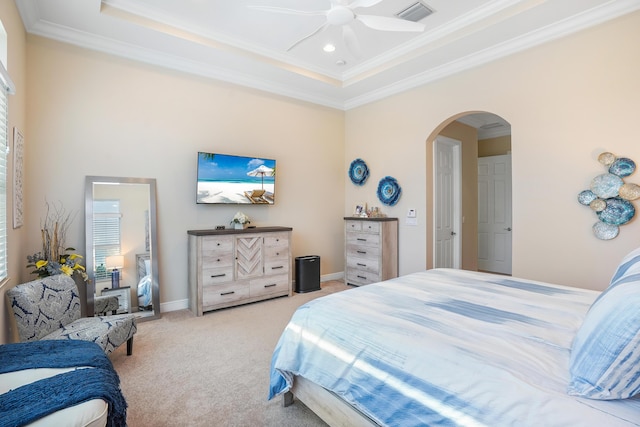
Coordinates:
x,y
121,246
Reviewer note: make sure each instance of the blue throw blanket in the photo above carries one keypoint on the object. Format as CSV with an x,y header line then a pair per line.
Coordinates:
x,y
31,402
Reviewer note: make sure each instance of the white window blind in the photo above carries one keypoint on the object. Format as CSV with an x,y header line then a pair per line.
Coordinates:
x,y
6,88
106,234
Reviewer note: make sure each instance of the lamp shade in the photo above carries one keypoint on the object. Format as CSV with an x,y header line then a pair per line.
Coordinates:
x,y
115,261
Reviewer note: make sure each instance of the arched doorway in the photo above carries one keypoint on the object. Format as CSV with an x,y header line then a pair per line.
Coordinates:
x,y
483,232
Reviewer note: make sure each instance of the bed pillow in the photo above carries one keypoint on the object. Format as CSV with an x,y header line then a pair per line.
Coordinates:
x,y
630,264
605,355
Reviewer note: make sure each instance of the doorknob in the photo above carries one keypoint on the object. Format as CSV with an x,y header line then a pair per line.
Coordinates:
x,y
508,228
453,233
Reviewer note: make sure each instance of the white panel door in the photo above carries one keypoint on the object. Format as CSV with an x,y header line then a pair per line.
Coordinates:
x,y
494,214
447,203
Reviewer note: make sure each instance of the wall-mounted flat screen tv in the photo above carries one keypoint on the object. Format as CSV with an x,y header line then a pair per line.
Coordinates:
x,y
224,178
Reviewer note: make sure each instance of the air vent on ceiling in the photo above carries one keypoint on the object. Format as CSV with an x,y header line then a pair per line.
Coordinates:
x,y
491,126
415,12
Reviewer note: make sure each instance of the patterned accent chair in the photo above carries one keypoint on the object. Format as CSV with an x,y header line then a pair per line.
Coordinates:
x,y
49,309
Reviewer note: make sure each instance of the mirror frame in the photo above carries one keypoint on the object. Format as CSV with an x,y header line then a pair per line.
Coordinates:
x,y
153,239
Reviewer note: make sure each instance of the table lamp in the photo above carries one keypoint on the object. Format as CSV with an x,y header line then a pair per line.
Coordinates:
x,y
114,262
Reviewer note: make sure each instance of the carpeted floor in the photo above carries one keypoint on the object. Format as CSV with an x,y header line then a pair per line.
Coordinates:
x,y
211,370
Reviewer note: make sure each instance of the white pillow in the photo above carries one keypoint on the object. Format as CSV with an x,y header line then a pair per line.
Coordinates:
x,y
605,354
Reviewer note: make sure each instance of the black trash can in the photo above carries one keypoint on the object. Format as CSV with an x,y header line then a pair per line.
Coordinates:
x,y
307,273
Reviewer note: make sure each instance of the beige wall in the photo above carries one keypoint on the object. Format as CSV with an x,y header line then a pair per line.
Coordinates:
x,y
494,146
94,114
567,101
16,64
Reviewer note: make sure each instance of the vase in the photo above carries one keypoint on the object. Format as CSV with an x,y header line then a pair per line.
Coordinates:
x,y
238,226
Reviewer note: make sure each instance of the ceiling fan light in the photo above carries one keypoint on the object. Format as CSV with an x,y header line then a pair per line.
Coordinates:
x,y
340,15
329,48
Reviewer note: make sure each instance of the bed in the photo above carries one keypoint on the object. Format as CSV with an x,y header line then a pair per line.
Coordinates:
x,y
59,383
449,347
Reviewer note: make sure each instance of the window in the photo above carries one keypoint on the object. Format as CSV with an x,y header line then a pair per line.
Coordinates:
x,y
6,88
106,234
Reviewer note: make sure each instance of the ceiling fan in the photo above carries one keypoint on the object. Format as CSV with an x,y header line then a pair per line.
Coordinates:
x,y
342,14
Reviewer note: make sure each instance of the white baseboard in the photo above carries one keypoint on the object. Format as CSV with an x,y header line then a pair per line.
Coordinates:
x,y
166,307
183,304
333,276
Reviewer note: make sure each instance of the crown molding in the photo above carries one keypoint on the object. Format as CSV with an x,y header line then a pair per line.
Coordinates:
x,y
563,28
35,25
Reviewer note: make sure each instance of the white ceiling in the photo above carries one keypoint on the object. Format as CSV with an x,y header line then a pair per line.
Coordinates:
x,y
232,41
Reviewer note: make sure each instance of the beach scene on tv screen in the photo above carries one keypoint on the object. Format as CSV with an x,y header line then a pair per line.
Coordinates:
x,y
235,179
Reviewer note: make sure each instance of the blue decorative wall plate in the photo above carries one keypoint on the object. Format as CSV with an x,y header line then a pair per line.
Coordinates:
x,y
358,172
389,191
617,212
605,231
610,197
586,197
606,185
622,167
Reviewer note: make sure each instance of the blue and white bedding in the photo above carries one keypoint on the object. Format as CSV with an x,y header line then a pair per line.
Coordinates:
x,y
447,347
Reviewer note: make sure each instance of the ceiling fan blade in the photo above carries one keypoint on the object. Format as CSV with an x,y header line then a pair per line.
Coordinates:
x,y
363,3
351,41
288,11
389,24
316,31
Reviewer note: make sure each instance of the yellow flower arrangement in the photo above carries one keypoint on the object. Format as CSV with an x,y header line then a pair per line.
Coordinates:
x,y
55,258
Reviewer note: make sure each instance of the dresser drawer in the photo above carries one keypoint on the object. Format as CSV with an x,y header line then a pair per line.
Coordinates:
x,y
366,265
370,227
276,266
363,239
216,245
353,225
217,259
359,277
276,241
362,251
221,294
276,253
270,285
213,276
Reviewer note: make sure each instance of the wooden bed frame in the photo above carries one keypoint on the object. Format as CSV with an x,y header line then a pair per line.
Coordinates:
x,y
326,405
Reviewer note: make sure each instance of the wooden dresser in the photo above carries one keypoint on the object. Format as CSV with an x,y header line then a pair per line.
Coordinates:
x,y
231,267
371,250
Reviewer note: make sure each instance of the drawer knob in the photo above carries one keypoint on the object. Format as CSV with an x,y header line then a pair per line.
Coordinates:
x,y
278,267
362,240
361,277
227,293
218,275
362,252
361,265
218,244
270,286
